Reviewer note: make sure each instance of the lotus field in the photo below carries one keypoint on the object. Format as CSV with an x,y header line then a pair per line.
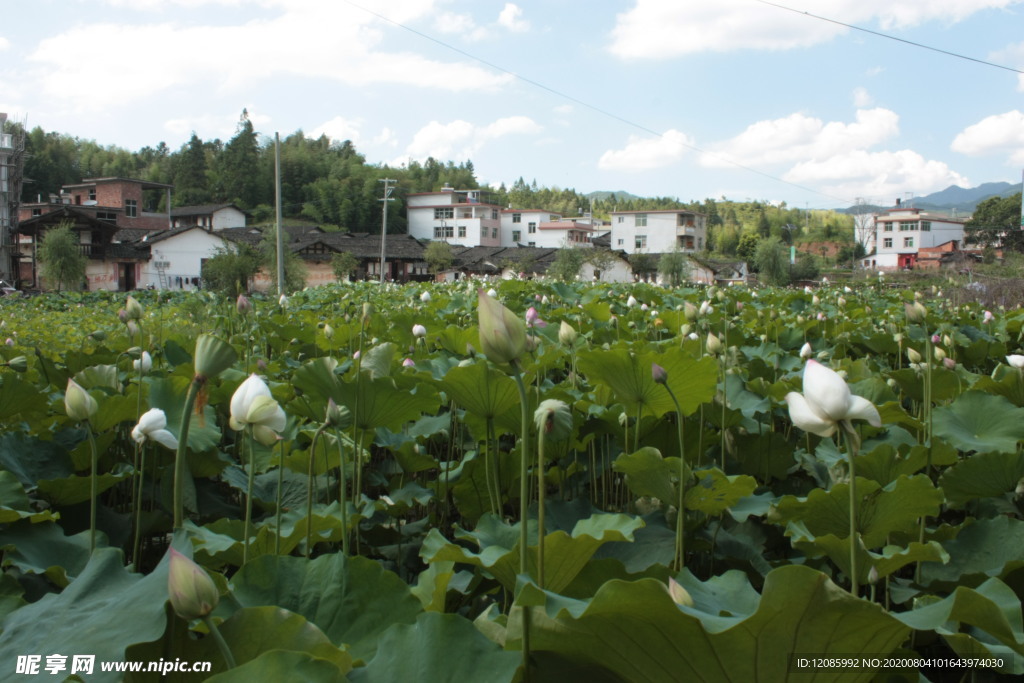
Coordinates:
x,y
514,481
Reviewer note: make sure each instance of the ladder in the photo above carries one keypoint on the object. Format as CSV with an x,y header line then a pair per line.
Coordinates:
x,y
161,273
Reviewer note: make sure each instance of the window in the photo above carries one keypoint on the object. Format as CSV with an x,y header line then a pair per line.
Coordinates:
x,y
887,243
622,219
442,232
531,244
684,220
444,213
483,233
517,218
641,220
908,241
494,214
531,228
926,226
92,194
887,227
37,212
908,225
108,216
641,241
494,232
554,219
131,208
462,231
517,235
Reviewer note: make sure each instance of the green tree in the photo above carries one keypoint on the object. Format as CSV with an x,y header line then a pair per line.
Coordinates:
x,y
60,257
230,271
438,256
642,264
343,264
190,182
567,264
294,268
240,165
772,262
747,246
674,267
602,260
996,221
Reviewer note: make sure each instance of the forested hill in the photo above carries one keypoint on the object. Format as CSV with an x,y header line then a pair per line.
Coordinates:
x,y
330,183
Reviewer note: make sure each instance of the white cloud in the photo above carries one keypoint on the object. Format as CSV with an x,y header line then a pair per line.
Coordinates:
x,y
511,18
862,98
461,25
875,174
300,39
1001,134
208,126
460,140
1012,55
802,138
4,44
339,129
659,29
644,154
563,109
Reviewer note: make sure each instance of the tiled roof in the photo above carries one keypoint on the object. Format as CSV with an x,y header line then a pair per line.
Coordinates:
x,y
202,210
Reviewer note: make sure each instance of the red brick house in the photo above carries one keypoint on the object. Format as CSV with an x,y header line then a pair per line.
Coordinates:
x,y
125,202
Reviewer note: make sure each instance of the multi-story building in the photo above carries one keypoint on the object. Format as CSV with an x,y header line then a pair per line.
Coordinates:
x,y
658,232
901,231
12,150
466,217
125,202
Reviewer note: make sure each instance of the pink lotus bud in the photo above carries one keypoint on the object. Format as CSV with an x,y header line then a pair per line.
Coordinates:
x,y
193,593
243,305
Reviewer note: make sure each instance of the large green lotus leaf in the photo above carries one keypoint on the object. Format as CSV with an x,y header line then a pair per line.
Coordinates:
x,y
352,600
628,374
992,609
986,547
113,410
1010,385
18,397
431,587
379,402
890,559
744,400
880,512
946,384
283,666
99,377
884,464
565,554
15,504
168,394
75,489
318,378
10,596
649,474
713,493
984,475
44,549
636,631
765,456
438,648
481,390
31,459
980,422
103,611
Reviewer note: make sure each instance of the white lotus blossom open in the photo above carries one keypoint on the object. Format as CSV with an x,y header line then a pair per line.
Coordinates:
x,y
253,404
153,427
145,363
827,402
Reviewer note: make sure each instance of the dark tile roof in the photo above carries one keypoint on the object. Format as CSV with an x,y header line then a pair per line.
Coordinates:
x,y
129,235
203,210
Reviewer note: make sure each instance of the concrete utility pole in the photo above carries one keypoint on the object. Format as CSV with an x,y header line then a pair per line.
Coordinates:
x,y
277,203
388,189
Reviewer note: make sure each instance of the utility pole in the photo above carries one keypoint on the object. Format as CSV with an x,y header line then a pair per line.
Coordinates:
x,y
277,202
388,189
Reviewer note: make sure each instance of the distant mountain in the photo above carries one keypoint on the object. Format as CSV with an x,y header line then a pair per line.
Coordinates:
x,y
953,200
602,195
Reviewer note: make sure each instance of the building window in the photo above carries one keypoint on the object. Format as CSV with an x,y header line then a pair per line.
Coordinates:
x,y
494,214
442,232
106,216
908,225
483,233
92,194
37,212
887,243
494,232
444,213
621,219
531,228
908,241
517,235
926,226
531,244
641,220
131,208
621,242
554,219
641,242
887,227
462,231
684,220
517,218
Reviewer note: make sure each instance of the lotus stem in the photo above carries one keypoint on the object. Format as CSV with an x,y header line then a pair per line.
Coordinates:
x,y
851,452
137,542
222,644
309,490
280,487
93,495
540,507
180,458
250,442
524,493
681,511
343,493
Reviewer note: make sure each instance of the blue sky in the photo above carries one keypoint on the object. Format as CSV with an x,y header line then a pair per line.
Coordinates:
x,y
680,98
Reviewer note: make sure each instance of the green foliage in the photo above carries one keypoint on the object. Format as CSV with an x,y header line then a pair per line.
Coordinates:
x,y
438,256
674,267
996,221
294,268
567,264
747,247
643,264
772,262
61,257
343,264
229,271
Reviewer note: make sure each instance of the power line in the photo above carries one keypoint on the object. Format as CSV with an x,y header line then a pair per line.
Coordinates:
x,y
889,37
593,107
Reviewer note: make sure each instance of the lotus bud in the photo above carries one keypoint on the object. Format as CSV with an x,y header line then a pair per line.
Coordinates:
x,y
690,311
425,297
946,340
328,332
940,355
531,344
841,301
408,363
705,308
261,365
133,329
680,595
815,300
800,319
1019,491
898,337
692,336
714,344
873,575
122,315
936,339
18,364
631,301
566,334
555,418
337,416
419,331
144,364
282,301
644,307
78,404
367,312
685,329
213,356
532,317
916,312
949,363
1016,361
720,296
133,309
493,293
193,593
893,384
659,374
502,334
988,317
913,356
243,305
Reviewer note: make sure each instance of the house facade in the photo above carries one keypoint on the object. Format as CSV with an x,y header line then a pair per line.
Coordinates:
x,y
124,202
901,231
464,217
211,216
658,232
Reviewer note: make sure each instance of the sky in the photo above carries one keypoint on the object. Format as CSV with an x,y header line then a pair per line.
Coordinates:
x,y
718,98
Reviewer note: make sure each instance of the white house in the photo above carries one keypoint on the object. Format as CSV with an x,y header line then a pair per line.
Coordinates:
x,y
212,216
901,231
177,256
465,217
658,232
522,226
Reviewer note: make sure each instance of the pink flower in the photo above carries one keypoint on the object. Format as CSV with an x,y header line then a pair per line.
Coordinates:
x,y
533,318
408,363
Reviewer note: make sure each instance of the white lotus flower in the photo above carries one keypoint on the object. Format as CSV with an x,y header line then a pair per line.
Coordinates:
x,y
425,297
145,363
153,427
1016,361
253,404
827,402
806,351
419,331
631,301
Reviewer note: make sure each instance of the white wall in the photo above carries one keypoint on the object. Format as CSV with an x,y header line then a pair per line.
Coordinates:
x,y
184,253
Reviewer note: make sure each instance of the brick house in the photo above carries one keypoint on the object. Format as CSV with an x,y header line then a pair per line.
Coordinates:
x,y
125,202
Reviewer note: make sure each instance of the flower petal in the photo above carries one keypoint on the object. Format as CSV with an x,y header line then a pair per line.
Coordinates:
x,y
245,394
162,436
862,409
806,418
826,391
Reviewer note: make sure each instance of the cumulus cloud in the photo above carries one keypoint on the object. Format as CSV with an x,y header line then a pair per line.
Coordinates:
x,y
511,18
4,44
644,154
862,98
1012,55
659,29
1001,134
798,137
875,174
461,25
290,39
223,126
460,140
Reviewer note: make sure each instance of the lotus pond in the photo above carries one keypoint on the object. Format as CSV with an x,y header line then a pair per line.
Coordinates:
x,y
546,482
